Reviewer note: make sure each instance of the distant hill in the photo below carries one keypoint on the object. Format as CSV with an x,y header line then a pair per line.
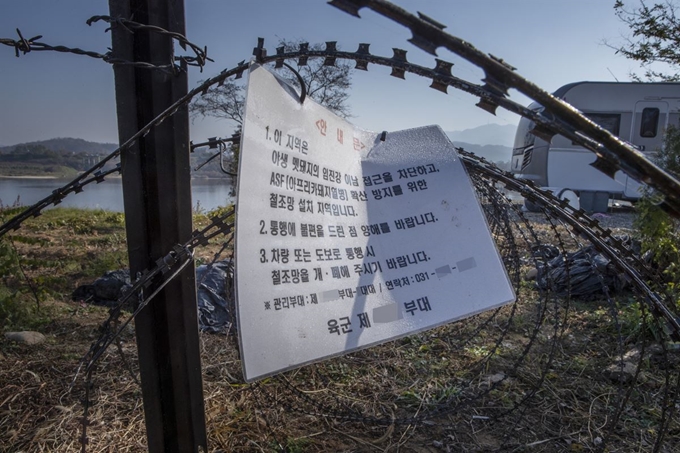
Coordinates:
x,y
64,147
73,145
488,134
494,153
65,157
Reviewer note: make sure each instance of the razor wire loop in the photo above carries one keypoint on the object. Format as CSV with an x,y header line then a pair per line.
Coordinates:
x,y
176,259
585,226
165,268
220,143
612,154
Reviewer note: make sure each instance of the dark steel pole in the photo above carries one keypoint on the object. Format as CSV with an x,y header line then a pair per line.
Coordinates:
x,y
157,199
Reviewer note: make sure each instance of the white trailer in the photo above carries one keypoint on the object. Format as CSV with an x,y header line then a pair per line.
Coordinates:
x,y
636,112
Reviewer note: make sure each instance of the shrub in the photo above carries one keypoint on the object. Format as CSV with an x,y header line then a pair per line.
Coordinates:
x,y
658,231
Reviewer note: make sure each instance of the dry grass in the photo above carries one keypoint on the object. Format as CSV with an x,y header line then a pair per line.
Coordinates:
x,y
529,377
464,395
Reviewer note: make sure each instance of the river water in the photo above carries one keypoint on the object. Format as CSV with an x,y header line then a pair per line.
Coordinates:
x,y
206,194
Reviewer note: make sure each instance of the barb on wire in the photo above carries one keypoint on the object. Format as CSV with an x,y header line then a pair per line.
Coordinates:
x,y
201,54
23,46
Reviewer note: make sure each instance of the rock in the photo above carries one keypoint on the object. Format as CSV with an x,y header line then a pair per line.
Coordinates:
x,y
531,274
632,356
623,372
493,379
26,337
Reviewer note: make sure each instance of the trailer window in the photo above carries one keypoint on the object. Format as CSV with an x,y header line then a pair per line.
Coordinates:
x,y
649,122
608,121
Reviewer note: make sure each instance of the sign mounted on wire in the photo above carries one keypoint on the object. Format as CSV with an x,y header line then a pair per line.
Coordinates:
x,y
347,238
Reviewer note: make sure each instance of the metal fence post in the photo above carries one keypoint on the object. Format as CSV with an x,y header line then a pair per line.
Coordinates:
x,y
157,199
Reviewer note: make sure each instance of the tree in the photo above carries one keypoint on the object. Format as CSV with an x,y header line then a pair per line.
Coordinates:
x,y
655,43
655,40
225,101
328,85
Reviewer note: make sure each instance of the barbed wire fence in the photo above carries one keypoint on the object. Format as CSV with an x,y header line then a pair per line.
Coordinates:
x,y
542,317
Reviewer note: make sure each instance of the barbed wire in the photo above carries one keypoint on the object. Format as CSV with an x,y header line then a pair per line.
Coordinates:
x,y
201,53
440,76
22,46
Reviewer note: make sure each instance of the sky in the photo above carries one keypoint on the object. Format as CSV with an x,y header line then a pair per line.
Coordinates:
x,y
46,95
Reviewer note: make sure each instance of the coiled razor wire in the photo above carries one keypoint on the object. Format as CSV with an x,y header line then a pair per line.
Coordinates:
x,y
504,380
503,368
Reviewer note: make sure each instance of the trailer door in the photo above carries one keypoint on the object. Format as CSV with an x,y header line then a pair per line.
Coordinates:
x,y
649,124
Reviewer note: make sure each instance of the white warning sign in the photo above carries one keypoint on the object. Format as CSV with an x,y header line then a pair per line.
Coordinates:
x,y
347,238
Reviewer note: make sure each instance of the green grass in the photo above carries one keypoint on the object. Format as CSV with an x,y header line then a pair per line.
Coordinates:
x,y
51,255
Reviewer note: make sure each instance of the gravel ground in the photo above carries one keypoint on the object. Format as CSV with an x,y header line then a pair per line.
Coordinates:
x,y
619,218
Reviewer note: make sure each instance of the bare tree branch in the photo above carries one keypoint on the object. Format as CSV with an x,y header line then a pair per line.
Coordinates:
x,y
327,85
655,38
225,101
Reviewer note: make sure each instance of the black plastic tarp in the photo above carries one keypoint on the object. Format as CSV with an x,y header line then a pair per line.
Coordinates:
x,y
214,290
585,273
